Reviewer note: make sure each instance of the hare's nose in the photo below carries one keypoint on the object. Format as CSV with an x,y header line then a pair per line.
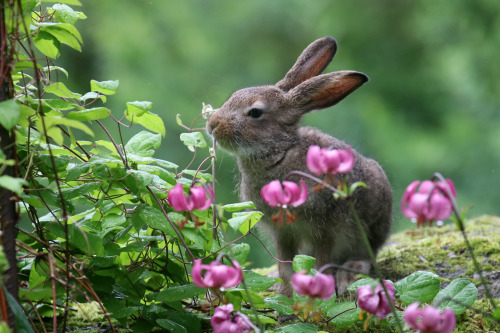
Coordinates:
x,y
212,123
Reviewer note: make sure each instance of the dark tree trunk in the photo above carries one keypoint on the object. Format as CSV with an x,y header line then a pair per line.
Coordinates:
x,y
8,214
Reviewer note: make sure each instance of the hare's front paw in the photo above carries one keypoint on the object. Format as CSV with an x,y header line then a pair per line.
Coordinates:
x,y
345,278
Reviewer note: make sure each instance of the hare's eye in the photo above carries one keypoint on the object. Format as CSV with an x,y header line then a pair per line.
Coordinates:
x,y
255,113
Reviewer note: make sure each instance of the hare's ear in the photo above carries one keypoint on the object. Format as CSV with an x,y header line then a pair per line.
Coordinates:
x,y
311,62
325,90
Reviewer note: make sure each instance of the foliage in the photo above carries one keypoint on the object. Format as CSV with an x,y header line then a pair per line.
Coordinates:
x,y
95,224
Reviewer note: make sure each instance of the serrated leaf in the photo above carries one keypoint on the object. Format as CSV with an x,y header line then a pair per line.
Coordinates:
x,y
193,139
104,87
459,295
9,114
244,221
418,287
59,104
143,143
60,89
236,207
171,326
302,262
89,114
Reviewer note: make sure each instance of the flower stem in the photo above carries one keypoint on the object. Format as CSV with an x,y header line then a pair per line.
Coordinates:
x,y
374,262
461,226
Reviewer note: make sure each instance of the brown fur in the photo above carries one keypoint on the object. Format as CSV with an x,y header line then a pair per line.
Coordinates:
x,y
270,146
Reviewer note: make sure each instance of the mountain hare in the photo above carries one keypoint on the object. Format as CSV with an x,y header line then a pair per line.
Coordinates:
x,y
260,125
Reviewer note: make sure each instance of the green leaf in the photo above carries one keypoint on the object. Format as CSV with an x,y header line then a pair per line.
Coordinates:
x,y
113,220
193,139
244,221
302,262
459,295
52,122
344,314
64,36
178,293
9,114
138,108
22,323
89,114
187,321
171,326
65,13
236,207
362,282
239,252
93,95
418,287
47,44
142,178
68,2
257,282
51,68
301,327
78,191
59,104
104,87
155,219
150,121
13,184
281,303
60,89
143,143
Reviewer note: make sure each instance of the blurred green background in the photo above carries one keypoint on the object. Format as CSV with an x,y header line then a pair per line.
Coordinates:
x,y
432,103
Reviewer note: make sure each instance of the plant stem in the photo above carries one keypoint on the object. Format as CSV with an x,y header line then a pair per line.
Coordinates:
x,y
461,226
374,262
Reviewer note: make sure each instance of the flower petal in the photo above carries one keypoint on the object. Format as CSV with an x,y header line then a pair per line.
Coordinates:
x,y
272,193
176,198
196,273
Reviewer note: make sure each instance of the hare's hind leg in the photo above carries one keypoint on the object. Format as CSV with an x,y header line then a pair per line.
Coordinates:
x,y
346,277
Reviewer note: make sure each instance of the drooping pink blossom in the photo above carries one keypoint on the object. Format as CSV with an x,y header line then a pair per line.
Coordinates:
x,y
375,300
225,320
429,319
274,194
428,203
329,161
216,275
316,286
196,198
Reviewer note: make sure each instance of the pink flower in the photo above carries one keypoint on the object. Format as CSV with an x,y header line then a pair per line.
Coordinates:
x,y
224,320
316,286
375,300
332,161
217,275
429,319
290,194
195,199
428,203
